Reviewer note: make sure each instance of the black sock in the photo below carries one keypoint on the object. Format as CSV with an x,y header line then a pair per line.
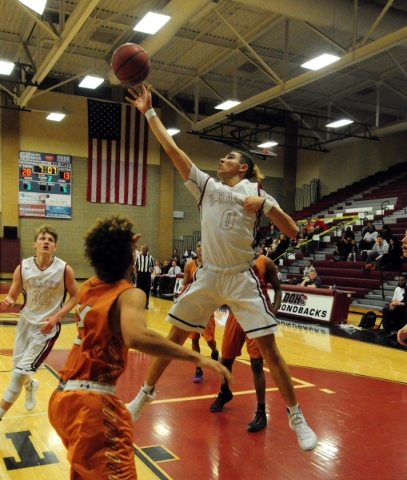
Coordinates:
x,y
261,406
198,369
225,388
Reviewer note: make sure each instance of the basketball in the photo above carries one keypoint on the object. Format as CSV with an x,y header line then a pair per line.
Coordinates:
x,y
130,63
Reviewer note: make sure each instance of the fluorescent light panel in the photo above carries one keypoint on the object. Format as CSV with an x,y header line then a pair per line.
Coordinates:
x,y
267,144
36,5
151,23
339,123
56,117
91,82
321,61
227,105
6,67
173,131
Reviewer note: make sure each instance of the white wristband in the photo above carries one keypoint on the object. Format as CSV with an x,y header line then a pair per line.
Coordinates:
x,y
268,205
150,113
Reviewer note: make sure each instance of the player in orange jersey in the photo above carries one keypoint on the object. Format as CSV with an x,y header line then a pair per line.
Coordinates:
x,y
94,425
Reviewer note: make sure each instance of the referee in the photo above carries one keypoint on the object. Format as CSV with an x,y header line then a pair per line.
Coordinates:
x,y
144,267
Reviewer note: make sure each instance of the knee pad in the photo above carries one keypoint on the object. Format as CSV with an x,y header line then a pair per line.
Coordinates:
x,y
14,387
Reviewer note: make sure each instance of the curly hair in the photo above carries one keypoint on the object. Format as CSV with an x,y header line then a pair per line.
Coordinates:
x,y
45,229
108,247
253,171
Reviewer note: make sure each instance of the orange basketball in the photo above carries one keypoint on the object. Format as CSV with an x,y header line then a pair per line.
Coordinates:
x,y
130,63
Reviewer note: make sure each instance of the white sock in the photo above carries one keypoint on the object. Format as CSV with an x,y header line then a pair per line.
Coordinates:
x,y
294,409
148,388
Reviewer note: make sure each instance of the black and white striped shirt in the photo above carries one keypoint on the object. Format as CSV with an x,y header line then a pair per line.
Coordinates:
x,y
144,263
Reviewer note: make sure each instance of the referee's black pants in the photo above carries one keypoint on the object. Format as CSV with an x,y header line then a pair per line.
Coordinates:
x,y
144,283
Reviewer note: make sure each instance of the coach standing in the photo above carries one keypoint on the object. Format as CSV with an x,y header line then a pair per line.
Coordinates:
x,y
144,267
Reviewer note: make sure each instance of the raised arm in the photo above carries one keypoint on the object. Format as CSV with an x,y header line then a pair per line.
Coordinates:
x,y
141,99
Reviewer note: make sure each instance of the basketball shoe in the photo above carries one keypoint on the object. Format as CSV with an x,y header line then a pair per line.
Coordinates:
x,y
222,398
30,400
259,422
136,405
306,437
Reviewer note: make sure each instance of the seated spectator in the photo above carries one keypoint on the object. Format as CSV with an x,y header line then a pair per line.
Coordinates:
x,y
366,229
155,281
319,225
272,235
269,252
167,281
393,258
368,238
313,282
301,237
350,233
309,223
379,248
386,233
281,247
275,243
307,269
175,256
308,244
343,248
156,269
188,255
262,246
393,315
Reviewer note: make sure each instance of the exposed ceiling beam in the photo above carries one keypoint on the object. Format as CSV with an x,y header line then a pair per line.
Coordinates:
x,y
351,58
78,17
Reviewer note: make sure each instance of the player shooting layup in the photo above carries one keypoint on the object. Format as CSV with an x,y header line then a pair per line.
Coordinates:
x,y
230,212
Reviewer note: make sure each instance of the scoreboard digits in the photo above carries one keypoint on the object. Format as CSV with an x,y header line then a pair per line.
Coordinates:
x,y
51,178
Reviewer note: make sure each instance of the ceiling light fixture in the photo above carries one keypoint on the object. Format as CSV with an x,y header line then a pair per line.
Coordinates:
x,y
339,123
173,131
91,82
56,117
227,105
151,23
6,67
321,61
36,5
267,144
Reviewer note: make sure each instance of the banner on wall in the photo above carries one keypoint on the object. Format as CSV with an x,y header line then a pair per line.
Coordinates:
x,y
44,185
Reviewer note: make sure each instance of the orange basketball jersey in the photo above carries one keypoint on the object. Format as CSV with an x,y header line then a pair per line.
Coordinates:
x,y
98,354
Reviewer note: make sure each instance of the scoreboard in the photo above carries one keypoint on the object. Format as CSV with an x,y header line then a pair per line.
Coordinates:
x,y
44,185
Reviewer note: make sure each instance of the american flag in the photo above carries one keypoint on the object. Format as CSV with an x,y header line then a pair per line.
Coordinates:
x,y
117,154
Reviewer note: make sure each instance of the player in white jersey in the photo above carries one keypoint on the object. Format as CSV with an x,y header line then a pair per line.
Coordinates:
x,y
44,281
230,212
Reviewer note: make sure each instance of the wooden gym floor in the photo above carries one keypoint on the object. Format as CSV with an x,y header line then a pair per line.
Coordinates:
x,y
353,394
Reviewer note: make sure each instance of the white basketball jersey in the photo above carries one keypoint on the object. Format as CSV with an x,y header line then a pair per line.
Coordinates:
x,y
44,290
228,230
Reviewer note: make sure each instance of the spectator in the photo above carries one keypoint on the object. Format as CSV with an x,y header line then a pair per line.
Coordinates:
x,y
380,247
309,223
281,247
386,233
164,271
156,270
308,244
369,223
343,248
368,238
319,225
393,315
167,281
272,235
188,255
308,268
175,256
393,258
313,282
350,233
269,252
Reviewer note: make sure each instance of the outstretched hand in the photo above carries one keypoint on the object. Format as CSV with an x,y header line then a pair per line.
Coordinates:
x,y
140,97
206,362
